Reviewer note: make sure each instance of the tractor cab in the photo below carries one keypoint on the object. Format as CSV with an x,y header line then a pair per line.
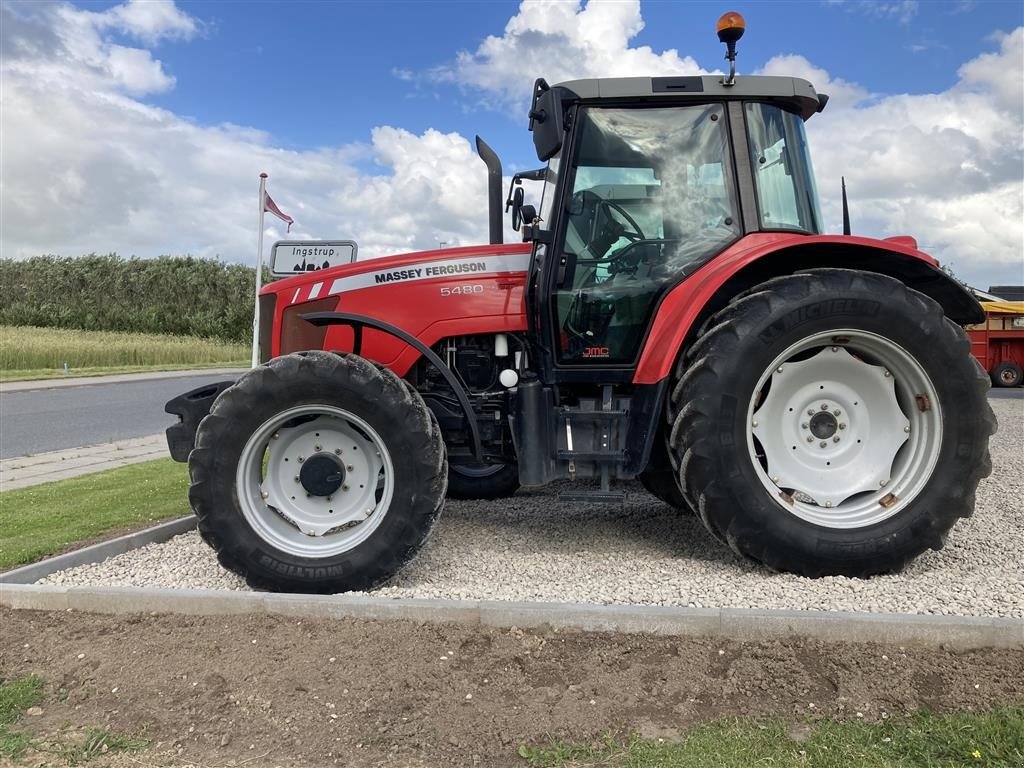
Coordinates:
x,y
647,180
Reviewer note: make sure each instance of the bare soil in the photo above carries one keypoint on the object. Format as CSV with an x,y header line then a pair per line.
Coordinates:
x,y
271,691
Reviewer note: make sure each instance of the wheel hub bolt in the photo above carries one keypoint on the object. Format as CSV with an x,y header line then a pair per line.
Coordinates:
x,y
804,425
344,487
837,412
824,406
348,467
810,411
296,478
301,459
810,439
316,447
822,444
842,426
337,451
328,498
835,439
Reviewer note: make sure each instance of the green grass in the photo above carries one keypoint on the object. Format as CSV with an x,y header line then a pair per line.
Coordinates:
x,y
990,740
29,352
17,695
43,519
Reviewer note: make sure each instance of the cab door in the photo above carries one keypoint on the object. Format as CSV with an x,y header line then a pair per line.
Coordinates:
x,y
648,195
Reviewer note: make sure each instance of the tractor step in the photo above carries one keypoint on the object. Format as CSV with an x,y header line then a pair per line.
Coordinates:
x,y
594,497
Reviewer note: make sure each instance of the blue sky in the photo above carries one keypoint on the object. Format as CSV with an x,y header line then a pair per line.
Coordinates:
x,y
140,126
337,62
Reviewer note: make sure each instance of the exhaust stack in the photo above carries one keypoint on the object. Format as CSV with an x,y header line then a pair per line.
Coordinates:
x,y
490,158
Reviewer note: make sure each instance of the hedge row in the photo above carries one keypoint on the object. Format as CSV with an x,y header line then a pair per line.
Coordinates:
x,y
179,295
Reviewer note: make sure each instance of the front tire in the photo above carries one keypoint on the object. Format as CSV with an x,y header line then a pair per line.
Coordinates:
x,y
832,422
317,472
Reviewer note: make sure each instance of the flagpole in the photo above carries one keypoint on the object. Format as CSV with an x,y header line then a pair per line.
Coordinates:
x,y
259,274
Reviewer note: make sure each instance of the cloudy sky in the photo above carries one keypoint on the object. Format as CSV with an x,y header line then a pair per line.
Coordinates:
x,y
141,127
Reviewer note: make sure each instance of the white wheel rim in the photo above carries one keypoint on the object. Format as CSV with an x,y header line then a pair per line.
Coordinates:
x,y
844,429
289,508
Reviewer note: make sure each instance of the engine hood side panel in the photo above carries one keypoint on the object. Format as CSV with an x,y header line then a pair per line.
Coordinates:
x,y
430,295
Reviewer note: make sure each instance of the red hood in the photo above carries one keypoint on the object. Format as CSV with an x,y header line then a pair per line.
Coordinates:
x,y
385,262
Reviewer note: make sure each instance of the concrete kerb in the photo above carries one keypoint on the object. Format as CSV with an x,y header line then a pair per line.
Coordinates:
x,y
961,632
97,553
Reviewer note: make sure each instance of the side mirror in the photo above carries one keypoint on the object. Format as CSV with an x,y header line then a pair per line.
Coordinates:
x,y
546,121
517,208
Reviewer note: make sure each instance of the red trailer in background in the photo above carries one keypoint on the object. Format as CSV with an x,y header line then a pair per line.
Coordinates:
x,y
998,344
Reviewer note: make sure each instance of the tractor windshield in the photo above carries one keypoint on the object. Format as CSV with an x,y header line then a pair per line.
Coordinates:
x,y
786,192
651,198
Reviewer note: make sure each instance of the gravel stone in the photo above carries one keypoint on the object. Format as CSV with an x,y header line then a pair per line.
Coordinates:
x,y
530,547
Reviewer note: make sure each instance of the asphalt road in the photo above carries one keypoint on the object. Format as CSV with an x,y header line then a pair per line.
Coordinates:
x,y
41,420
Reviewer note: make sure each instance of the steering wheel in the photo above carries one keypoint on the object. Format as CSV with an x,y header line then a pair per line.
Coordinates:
x,y
608,206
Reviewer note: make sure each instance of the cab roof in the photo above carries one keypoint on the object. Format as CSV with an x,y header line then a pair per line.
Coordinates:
x,y
791,90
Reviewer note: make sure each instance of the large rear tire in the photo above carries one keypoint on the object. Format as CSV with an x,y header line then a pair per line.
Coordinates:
x,y
832,422
482,481
317,472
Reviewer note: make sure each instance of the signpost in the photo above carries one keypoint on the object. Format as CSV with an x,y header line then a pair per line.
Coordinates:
x,y
295,257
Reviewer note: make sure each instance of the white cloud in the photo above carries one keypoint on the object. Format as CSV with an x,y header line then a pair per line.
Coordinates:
x,y
946,167
88,167
561,41
902,11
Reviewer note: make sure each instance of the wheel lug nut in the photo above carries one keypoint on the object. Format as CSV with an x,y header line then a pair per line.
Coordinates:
x,y
328,498
810,439
301,459
835,439
337,451
822,444
316,447
837,412
348,467
804,425
842,426
344,487
296,478
810,411
824,406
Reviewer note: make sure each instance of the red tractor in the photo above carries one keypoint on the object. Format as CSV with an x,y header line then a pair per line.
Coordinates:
x,y
675,314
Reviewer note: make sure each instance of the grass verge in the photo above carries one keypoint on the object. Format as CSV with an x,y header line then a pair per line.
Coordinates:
x,y
17,696
44,519
42,352
987,740
38,374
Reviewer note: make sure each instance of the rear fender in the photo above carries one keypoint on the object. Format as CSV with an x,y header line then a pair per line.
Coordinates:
x,y
760,257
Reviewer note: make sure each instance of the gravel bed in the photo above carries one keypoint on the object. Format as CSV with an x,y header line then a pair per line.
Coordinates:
x,y
531,548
